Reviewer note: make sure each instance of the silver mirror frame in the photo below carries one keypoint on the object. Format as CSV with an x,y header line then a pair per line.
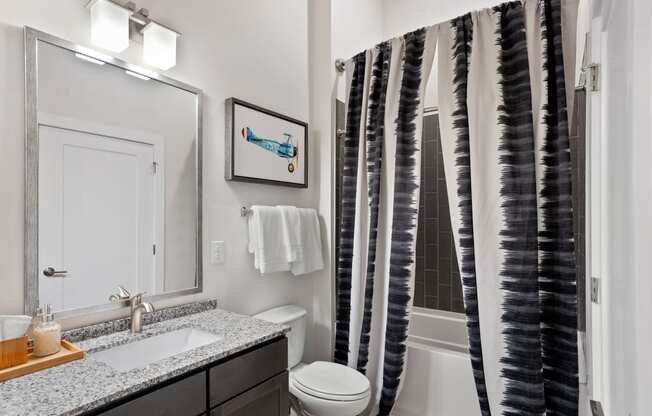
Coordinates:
x,y
31,299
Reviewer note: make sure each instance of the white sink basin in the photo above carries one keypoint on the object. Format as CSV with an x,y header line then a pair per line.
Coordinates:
x,y
149,350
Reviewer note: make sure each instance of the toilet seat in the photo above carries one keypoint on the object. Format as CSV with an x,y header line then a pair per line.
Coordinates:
x,y
329,389
331,381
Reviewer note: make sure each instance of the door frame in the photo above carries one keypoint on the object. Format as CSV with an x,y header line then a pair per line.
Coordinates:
x,y
597,204
595,224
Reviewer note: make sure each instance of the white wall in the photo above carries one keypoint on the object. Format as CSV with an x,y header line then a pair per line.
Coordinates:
x,y
404,16
357,25
642,199
322,119
256,50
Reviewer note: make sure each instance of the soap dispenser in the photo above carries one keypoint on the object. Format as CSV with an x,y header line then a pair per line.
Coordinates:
x,y
46,334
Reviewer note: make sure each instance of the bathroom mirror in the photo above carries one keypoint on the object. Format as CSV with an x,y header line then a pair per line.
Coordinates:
x,y
113,179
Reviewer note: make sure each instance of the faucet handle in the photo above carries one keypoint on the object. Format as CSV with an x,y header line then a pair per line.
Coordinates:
x,y
139,295
122,295
136,299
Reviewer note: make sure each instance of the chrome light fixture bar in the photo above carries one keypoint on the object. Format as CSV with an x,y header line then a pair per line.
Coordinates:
x,y
113,22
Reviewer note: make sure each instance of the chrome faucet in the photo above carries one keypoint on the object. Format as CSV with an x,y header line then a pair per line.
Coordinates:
x,y
138,307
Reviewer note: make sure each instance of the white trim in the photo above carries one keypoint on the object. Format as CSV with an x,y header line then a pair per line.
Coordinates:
x,y
596,204
85,126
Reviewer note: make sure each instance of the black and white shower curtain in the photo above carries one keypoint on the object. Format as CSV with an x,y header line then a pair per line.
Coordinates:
x,y
381,164
505,143
504,128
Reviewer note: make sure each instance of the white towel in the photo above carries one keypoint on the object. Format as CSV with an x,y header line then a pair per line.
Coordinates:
x,y
292,232
267,240
310,243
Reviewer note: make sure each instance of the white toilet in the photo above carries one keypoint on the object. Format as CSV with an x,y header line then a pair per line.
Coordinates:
x,y
324,388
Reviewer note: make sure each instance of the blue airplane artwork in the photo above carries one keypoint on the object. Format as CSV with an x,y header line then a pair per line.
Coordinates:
x,y
287,150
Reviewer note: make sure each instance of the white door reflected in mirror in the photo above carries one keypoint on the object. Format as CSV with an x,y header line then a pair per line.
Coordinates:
x,y
100,193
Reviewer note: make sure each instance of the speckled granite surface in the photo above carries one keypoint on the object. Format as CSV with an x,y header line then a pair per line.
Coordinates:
x,y
122,324
79,386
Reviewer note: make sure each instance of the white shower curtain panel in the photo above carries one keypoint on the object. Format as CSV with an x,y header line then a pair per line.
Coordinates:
x,y
506,151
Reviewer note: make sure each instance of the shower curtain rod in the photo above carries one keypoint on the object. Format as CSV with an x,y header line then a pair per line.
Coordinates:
x,y
340,64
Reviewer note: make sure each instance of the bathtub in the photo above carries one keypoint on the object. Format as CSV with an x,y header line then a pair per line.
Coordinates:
x,y
438,380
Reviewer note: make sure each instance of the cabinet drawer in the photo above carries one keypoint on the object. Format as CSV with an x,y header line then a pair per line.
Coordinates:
x,y
235,376
267,399
183,398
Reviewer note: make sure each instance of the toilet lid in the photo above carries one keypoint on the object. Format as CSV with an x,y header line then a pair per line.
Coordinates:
x,y
331,381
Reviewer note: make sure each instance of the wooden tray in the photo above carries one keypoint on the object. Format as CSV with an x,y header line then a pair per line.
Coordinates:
x,y
69,352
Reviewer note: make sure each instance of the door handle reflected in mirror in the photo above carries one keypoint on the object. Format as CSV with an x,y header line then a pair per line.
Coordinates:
x,y
50,272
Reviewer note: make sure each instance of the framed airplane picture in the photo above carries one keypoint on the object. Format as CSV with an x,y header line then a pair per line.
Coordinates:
x,y
265,147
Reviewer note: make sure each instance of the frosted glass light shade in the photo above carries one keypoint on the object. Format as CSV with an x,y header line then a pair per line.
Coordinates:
x,y
159,46
109,25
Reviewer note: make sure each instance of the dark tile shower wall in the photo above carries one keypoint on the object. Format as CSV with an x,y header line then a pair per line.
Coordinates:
x,y
437,281
340,120
578,159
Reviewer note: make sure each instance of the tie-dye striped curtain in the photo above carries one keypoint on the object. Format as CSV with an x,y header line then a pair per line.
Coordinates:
x,y
380,199
504,128
506,153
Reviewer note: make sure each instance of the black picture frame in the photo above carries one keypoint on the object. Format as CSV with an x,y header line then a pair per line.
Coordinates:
x,y
229,153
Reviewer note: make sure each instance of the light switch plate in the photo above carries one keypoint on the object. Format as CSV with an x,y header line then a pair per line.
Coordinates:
x,y
217,252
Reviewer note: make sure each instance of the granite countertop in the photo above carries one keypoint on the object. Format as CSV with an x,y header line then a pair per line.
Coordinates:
x,y
83,385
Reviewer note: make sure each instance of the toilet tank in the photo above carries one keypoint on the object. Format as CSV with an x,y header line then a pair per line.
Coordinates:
x,y
295,317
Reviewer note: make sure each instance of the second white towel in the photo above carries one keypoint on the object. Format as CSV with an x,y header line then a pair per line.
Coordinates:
x,y
291,232
309,237
285,238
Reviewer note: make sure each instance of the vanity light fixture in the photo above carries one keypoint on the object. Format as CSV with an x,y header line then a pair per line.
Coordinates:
x,y
113,24
159,45
109,25
137,75
89,59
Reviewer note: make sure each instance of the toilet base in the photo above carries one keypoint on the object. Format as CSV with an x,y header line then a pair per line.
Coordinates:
x,y
315,406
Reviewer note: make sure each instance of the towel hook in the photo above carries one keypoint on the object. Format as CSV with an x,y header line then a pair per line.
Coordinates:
x,y
244,211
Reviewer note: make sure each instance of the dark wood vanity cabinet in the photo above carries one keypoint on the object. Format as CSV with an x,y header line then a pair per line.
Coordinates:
x,y
251,383
184,397
267,398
